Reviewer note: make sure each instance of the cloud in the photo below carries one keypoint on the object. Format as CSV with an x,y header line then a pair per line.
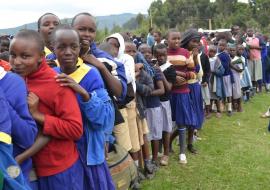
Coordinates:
x,y
18,12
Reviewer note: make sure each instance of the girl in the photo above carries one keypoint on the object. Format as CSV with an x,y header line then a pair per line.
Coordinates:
x,y
95,104
215,82
237,69
58,160
190,41
182,107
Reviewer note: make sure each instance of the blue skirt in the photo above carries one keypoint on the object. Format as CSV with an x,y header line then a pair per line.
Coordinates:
x,y
70,179
182,109
197,100
98,177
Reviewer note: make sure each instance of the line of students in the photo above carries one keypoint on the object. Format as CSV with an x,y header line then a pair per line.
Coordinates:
x,y
95,97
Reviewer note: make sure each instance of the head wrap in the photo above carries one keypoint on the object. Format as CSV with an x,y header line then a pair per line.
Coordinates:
x,y
189,35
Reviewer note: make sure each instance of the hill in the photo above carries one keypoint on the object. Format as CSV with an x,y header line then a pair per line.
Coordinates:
x,y
102,22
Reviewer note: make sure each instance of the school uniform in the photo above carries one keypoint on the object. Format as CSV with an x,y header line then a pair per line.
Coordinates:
x,y
196,91
11,174
227,77
97,114
181,104
170,74
204,60
56,163
24,129
237,62
153,112
144,86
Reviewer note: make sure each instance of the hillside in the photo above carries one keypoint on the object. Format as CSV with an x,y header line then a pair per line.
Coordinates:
x,y
102,21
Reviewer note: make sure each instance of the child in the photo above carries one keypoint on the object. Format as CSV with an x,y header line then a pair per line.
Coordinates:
x,y
24,129
55,163
237,69
215,81
227,76
190,41
169,78
4,44
95,104
182,107
46,23
112,72
9,169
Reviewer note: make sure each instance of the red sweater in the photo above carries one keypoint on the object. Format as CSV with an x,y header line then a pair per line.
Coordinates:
x,y
180,60
63,122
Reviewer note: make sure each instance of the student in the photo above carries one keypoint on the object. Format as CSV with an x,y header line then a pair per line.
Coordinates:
x,y
225,59
182,107
150,38
24,129
157,37
126,133
254,61
169,78
9,169
95,104
237,68
112,72
190,41
46,23
55,110
215,81
4,44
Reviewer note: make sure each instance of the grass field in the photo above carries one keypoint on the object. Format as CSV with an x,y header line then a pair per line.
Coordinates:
x,y
234,153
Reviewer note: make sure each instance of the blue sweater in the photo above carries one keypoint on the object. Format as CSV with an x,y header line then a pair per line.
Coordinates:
x,y
7,161
98,118
24,130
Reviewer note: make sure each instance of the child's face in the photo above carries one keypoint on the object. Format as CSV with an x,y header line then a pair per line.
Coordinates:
x,y
174,40
4,46
114,42
147,53
232,51
67,48
25,56
240,50
130,49
86,27
161,55
194,43
222,45
212,53
157,37
47,24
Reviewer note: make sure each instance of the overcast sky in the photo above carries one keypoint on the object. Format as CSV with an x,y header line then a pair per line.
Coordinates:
x,y
18,12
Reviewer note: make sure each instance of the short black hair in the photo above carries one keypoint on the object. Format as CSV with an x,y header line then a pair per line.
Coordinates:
x,y
31,35
171,30
159,46
62,27
40,18
79,14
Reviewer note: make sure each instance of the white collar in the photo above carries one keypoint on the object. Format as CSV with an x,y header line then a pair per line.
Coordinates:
x,y
2,73
165,66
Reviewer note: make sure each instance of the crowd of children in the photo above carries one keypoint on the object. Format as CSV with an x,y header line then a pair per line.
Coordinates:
x,y
67,99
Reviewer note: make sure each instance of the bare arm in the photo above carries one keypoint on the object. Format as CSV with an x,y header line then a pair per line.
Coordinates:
x,y
160,89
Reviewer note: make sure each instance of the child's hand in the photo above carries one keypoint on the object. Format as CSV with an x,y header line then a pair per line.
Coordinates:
x,y
33,101
20,159
85,47
204,84
195,52
66,80
179,81
51,63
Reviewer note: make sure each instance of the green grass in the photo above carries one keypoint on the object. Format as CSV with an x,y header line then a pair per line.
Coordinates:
x,y
234,153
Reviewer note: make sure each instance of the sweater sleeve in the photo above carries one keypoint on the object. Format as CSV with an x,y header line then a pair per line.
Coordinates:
x,y
206,69
66,123
98,109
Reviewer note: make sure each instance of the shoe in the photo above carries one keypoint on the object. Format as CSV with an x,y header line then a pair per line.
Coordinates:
x,y
208,115
191,149
182,159
266,114
141,176
229,113
155,166
164,161
148,168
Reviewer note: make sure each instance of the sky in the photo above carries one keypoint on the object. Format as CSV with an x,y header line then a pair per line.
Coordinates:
x,y
14,13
